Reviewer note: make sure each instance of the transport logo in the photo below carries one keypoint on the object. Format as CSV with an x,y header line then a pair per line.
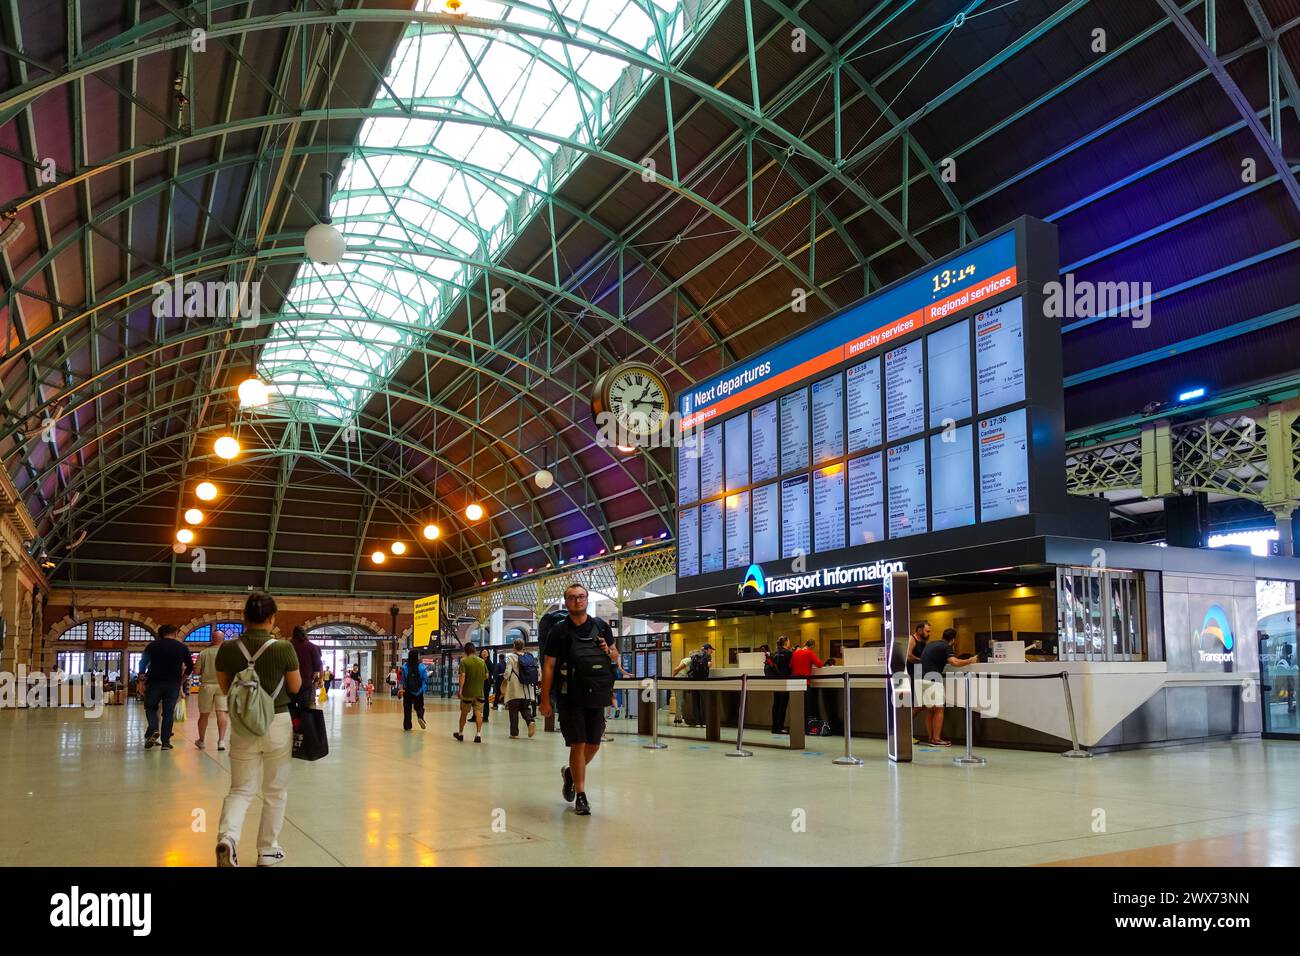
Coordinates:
x,y
754,584
1215,633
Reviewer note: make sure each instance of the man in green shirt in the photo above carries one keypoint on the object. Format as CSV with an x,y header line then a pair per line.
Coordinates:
x,y
473,672
270,755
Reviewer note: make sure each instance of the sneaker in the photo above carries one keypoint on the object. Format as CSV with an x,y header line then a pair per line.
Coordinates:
x,y
568,789
532,728
199,744
581,807
458,736
151,740
270,858
226,854
478,740
167,747
221,746
423,725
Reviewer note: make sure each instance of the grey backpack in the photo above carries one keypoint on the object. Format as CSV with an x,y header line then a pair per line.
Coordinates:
x,y
251,708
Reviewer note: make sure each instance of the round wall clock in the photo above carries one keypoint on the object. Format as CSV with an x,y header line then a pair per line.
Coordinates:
x,y
633,399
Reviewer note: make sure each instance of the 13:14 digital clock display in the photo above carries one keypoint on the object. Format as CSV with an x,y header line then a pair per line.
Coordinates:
x,y
948,276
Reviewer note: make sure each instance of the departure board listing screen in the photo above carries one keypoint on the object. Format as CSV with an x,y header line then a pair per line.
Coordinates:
x,y
906,414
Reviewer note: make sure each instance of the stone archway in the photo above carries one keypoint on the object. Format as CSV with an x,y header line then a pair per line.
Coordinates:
x,y
367,623
215,618
56,630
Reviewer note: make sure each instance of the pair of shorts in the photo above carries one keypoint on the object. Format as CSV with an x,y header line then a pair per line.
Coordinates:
x,y
211,698
474,706
581,725
930,694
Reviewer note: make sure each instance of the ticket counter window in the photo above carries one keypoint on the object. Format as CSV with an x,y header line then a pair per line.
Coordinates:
x,y
1275,610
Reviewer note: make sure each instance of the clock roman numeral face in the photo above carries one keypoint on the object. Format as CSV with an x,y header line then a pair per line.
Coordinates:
x,y
638,402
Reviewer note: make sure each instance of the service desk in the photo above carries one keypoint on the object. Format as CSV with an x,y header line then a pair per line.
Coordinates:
x,y
720,696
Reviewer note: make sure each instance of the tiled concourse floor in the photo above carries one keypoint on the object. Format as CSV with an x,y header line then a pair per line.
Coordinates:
x,y
83,792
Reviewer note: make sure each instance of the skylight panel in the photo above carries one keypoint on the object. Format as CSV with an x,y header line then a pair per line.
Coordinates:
x,y
418,229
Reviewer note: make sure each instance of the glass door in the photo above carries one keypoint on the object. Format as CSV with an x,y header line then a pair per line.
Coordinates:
x,y
1275,610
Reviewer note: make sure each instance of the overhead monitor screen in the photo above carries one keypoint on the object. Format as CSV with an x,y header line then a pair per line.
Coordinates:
x,y
795,526
767,523
688,542
1004,466
762,442
828,419
952,479
737,441
905,390
864,405
866,500
711,537
907,500
828,508
688,470
711,463
738,530
794,431
949,369
1000,355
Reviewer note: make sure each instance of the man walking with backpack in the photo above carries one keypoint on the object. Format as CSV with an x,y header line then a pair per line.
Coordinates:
x,y
577,659
258,674
519,682
411,680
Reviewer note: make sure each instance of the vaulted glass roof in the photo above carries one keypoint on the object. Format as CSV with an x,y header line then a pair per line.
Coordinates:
x,y
478,135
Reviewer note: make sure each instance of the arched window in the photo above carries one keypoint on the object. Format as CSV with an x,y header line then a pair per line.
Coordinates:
x,y
339,629
227,630
107,632
78,632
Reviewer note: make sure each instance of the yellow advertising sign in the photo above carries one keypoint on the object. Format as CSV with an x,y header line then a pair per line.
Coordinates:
x,y
426,622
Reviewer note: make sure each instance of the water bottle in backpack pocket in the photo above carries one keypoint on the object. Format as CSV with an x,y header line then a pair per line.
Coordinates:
x,y
251,708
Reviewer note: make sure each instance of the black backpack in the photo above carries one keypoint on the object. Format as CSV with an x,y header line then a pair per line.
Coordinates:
x,y
529,673
590,671
548,621
698,669
414,685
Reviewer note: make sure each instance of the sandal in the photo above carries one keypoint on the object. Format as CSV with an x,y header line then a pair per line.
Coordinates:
x,y
940,743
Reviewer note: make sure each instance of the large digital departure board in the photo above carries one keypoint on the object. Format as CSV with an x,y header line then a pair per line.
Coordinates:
x,y
907,414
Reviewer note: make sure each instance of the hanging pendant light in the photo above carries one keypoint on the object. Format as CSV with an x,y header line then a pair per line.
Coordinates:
x,y
226,447
193,516
323,242
206,491
474,512
398,547
253,392
431,531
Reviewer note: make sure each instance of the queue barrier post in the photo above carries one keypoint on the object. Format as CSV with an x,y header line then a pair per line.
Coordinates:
x,y
969,759
848,760
1074,750
740,750
654,737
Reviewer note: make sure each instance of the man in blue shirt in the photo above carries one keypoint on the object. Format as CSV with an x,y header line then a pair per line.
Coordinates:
x,y
166,662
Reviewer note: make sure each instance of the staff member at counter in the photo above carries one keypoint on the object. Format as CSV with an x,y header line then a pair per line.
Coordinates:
x,y
936,655
801,665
